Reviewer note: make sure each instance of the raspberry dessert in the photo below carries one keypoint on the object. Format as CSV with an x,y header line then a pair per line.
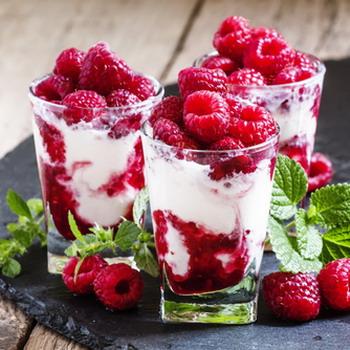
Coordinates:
x,y
87,117
209,175
262,67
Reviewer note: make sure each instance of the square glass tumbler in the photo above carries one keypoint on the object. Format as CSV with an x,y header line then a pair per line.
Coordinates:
x,y
210,212
90,163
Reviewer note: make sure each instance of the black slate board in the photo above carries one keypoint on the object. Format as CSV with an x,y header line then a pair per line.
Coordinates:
x,y
44,297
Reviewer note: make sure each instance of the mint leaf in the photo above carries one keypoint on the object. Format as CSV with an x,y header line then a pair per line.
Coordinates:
x,y
330,206
309,240
289,187
126,235
101,233
285,251
11,268
145,260
140,206
74,227
35,206
336,244
17,205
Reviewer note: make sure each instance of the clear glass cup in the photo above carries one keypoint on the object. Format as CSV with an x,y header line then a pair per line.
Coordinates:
x,y
295,107
210,212
92,168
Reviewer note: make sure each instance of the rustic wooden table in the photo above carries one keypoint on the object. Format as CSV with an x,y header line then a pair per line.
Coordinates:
x,y
157,37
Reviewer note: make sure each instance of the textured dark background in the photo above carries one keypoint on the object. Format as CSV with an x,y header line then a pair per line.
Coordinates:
x,y
44,297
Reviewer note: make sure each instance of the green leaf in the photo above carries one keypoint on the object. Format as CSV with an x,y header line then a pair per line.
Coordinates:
x,y
74,227
140,206
17,205
72,250
24,235
35,206
336,244
11,268
102,233
309,240
289,188
285,251
330,206
146,261
127,234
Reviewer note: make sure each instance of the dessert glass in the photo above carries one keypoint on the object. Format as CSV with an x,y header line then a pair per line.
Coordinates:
x,y
209,212
93,169
294,106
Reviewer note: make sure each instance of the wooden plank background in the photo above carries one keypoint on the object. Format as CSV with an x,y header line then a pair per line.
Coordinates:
x,y
157,37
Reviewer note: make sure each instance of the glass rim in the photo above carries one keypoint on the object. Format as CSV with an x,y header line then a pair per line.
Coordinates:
x,y
139,105
273,140
321,72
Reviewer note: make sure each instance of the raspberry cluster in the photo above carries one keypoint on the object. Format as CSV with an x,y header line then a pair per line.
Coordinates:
x,y
95,79
251,56
117,286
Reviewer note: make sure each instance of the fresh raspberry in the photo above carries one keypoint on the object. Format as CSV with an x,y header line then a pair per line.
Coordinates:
x,y
54,88
121,97
226,143
140,86
262,32
118,286
206,116
169,132
220,62
232,37
268,55
80,106
235,106
69,62
321,171
88,271
334,284
254,126
294,297
292,74
304,61
194,79
170,107
102,71
246,77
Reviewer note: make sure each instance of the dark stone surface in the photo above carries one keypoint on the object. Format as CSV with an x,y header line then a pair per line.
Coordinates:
x,y
44,297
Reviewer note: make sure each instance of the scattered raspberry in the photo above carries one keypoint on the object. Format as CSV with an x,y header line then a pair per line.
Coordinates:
x,y
246,77
140,86
54,88
334,284
297,151
169,108
294,297
102,71
292,74
88,271
194,79
220,62
226,143
80,106
268,55
206,116
169,132
262,33
121,97
118,286
69,62
254,126
232,37
321,171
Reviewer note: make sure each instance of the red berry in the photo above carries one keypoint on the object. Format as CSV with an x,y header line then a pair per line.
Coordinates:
x,y
298,152
169,132
54,88
140,86
206,116
121,97
254,126
194,79
80,106
294,297
268,55
262,32
88,271
226,143
304,61
102,71
169,108
69,62
232,37
220,62
334,284
292,74
321,171
246,77
235,106
118,286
